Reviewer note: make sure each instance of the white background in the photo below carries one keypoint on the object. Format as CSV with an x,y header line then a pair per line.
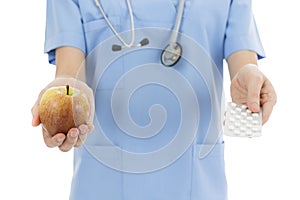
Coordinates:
x,y
262,168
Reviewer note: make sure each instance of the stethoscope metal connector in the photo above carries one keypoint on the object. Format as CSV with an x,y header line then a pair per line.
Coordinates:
x,y
143,42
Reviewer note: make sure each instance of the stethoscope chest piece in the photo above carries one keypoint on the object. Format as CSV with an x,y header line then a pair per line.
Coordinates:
x,y
171,54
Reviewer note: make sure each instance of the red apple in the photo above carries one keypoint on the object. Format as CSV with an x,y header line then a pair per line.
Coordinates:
x,y
63,108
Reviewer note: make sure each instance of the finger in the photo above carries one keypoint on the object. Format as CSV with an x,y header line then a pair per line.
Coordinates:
x,y
35,115
91,127
267,109
268,93
238,93
83,132
80,140
83,129
70,140
35,121
53,141
253,95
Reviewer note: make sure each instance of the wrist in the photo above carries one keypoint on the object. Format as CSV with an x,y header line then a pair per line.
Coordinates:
x,y
70,62
240,59
250,65
68,80
70,75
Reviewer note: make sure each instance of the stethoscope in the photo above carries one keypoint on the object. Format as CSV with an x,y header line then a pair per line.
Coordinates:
x,y
171,53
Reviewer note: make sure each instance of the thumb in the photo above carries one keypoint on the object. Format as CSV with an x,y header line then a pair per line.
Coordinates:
x,y
253,95
35,115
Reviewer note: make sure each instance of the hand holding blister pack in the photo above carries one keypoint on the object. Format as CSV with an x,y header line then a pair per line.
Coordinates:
x,y
242,122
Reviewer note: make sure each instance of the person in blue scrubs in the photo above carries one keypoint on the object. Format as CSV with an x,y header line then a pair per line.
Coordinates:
x,y
76,31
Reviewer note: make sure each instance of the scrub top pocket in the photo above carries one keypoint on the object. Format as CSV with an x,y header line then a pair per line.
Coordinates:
x,y
95,181
191,177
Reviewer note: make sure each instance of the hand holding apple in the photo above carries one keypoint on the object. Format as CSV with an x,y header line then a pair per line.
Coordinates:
x,y
62,108
78,105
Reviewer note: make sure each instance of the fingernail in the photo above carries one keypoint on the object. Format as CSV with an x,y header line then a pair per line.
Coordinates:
x,y
83,130
74,133
255,105
60,140
33,123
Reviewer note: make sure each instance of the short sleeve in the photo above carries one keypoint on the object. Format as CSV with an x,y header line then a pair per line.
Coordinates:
x,y
63,27
241,31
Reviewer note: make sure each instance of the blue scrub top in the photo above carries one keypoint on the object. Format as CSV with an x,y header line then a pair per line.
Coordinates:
x,y
215,28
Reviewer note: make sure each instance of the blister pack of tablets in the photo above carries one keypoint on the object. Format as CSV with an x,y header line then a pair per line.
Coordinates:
x,y
241,122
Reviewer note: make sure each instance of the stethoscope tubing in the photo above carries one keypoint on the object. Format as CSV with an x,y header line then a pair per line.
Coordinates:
x,y
171,51
174,36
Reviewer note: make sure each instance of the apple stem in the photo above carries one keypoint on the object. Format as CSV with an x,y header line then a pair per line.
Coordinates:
x,y
68,88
